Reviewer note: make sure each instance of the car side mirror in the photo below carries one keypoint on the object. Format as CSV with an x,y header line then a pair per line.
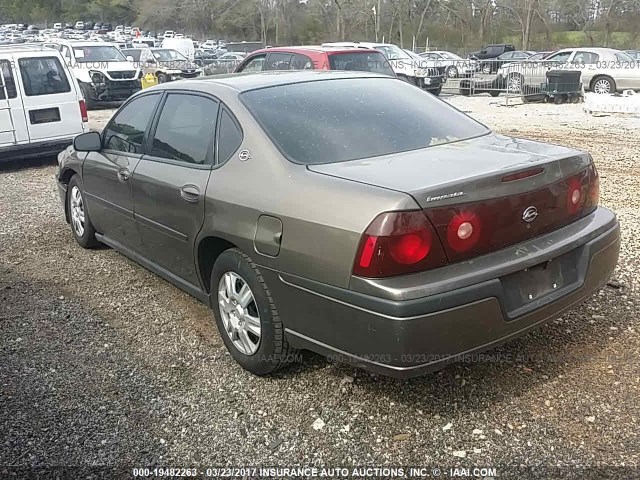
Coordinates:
x,y
88,142
129,58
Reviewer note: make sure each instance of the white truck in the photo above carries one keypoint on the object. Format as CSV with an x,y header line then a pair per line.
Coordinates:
x,y
102,70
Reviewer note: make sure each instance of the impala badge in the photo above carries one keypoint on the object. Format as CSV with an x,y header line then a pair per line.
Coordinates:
x,y
244,155
530,214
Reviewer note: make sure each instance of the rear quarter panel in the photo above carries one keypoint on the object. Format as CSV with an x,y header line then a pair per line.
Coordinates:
x,y
323,217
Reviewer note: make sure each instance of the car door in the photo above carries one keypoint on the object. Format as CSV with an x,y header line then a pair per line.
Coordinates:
x,y
587,63
13,127
50,100
107,174
170,182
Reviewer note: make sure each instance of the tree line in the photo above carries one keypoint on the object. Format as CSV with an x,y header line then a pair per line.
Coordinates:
x,y
459,25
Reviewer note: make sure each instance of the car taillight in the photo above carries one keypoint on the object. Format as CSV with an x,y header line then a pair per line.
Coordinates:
x,y
83,111
593,192
397,243
471,229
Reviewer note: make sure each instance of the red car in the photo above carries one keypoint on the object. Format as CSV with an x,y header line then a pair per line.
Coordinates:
x,y
316,58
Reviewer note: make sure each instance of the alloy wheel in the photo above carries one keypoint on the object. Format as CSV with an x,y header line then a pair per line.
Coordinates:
x,y
602,86
514,84
77,211
239,313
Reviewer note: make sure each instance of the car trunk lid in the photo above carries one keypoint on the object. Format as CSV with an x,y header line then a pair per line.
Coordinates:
x,y
485,193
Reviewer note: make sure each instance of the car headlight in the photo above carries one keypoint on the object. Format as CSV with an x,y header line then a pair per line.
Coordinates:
x,y
97,77
419,72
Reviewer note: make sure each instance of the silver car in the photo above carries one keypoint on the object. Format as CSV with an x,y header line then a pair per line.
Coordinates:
x,y
347,213
604,70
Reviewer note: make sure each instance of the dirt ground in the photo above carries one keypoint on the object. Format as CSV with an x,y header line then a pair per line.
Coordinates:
x,y
102,362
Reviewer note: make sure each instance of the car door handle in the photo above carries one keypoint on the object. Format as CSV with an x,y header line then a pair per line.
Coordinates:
x,y
124,175
190,193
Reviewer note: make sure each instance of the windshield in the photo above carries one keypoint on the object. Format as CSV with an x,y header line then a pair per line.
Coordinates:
x,y
166,55
364,61
362,118
98,53
392,52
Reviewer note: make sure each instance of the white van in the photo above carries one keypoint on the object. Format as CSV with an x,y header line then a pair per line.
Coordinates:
x,y
41,105
183,45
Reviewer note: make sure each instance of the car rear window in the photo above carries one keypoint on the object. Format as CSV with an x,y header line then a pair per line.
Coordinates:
x,y
360,61
361,118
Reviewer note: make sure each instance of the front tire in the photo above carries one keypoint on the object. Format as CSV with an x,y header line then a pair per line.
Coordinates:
x,y
246,314
81,226
162,77
452,71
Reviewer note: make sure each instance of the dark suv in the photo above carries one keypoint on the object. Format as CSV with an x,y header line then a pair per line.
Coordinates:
x,y
492,51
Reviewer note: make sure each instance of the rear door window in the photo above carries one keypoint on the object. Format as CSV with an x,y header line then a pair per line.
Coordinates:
x,y
7,80
588,58
186,129
301,62
125,133
278,61
43,76
362,61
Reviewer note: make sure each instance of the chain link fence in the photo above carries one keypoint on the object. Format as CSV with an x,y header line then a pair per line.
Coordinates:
x,y
530,81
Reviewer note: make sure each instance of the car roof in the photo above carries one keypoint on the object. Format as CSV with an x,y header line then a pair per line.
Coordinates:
x,y
242,82
305,49
591,49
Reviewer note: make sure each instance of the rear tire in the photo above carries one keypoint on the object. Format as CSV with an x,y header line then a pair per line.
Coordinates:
x,y
162,77
603,85
81,226
515,83
87,93
260,347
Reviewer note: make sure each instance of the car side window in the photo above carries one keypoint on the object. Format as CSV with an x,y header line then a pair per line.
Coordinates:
x,y
278,61
8,80
229,137
125,133
43,76
185,129
255,64
560,57
300,62
587,58
506,56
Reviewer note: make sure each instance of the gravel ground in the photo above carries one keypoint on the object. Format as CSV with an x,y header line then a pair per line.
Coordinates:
x,y
104,363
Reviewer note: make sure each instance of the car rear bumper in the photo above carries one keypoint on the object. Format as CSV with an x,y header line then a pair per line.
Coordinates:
x,y
410,337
